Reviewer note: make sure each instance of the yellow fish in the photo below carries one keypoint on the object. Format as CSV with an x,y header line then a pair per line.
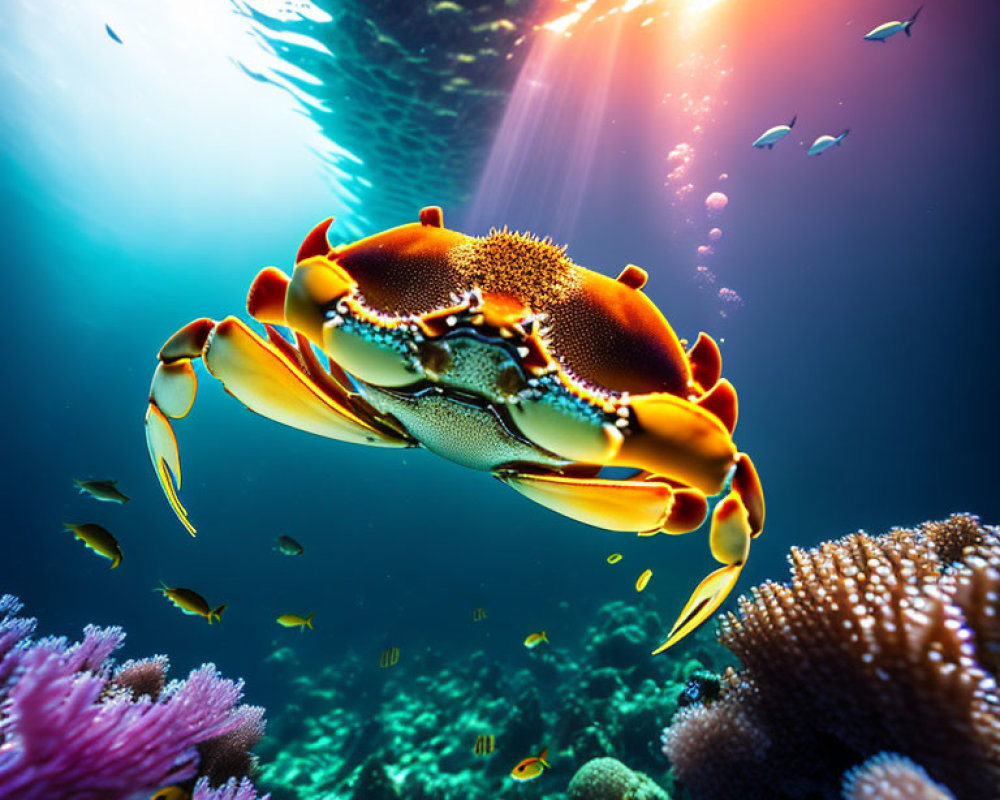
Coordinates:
x,y
485,744
389,657
171,793
643,580
191,602
102,490
99,540
294,620
614,558
478,615
531,768
536,639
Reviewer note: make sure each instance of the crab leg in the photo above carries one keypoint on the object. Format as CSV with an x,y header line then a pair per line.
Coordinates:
x,y
647,504
735,521
257,374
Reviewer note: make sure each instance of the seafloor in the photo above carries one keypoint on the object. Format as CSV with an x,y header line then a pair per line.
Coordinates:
x,y
870,673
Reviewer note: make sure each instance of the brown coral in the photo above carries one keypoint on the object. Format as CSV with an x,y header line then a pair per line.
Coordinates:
x,y
876,643
230,756
147,676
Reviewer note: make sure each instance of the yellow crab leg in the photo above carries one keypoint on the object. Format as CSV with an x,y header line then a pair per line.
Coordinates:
x,y
171,395
257,374
638,504
735,520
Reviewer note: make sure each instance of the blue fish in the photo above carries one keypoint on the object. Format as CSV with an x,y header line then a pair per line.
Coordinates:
x,y
112,34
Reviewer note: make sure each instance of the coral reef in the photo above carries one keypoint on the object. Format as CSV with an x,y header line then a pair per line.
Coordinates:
x,y
353,731
876,643
72,727
610,779
891,777
230,755
145,677
233,789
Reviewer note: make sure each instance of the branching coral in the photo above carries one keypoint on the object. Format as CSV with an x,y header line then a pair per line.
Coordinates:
x,y
233,789
229,756
71,728
876,643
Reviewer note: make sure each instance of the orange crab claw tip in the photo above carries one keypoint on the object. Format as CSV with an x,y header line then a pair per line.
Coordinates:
x,y
703,603
188,341
706,361
432,216
722,402
687,512
632,276
266,298
746,483
315,244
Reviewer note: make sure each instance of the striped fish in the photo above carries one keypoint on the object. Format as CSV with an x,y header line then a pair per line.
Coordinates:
x,y
389,657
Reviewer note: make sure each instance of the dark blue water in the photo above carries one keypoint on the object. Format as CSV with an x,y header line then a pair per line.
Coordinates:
x,y
140,194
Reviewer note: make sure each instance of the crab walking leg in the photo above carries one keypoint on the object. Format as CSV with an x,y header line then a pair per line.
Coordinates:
x,y
637,504
735,521
255,373
171,395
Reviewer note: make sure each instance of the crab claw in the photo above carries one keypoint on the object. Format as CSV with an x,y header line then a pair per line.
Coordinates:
x,y
171,395
730,542
162,446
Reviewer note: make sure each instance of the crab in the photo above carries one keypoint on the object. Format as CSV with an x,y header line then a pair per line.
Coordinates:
x,y
498,353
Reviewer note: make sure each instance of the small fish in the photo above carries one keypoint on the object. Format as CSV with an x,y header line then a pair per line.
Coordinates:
x,y
190,602
531,768
478,614
288,546
643,580
295,621
536,639
112,34
389,657
171,793
614,558
772,136
102,490
887,29
702,687
485,744
97,539
826,142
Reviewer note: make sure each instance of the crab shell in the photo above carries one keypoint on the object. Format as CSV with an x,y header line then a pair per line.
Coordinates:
x,y
498,353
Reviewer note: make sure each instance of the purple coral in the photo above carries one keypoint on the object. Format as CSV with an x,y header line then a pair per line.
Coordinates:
x,y
67,730
231,790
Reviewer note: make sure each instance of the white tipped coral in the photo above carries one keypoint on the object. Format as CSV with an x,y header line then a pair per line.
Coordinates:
x,y
875,643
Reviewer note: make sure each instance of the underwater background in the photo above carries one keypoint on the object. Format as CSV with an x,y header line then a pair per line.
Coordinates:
x,y
146,181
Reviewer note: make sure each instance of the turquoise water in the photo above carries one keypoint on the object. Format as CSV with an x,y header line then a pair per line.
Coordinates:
x,y
145,183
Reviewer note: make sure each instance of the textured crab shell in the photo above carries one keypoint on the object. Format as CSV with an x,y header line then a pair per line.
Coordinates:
x,y
602,331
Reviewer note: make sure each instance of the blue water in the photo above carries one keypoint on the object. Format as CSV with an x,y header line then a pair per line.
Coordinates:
x,y
144,184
